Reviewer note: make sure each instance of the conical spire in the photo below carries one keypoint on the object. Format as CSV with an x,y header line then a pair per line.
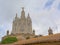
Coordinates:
x,y
16,15
28,16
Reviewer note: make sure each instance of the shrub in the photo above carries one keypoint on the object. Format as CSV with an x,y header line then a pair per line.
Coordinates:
x,y
28,37
9,40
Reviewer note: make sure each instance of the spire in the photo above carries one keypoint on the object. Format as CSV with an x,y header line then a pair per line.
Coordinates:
x,y
22,13
22,8
16,13
28,16
16,16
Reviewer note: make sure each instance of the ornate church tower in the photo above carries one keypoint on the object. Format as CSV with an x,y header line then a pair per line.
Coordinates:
x,y
14,25
23,22
22,13
29,24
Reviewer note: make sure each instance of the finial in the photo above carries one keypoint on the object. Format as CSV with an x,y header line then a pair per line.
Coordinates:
x,y
16,14
28,16
22,8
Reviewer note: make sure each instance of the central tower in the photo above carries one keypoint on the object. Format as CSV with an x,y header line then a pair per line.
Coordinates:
x,y
22,13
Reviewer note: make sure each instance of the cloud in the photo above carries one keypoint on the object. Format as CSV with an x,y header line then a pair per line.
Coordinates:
x,y
49,3
42,18
58,6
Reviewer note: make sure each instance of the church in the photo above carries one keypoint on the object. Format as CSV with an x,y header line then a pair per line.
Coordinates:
x,y
21,27
22,24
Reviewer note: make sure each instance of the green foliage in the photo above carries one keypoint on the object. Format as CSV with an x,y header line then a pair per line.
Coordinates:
x,y
28,37
9,40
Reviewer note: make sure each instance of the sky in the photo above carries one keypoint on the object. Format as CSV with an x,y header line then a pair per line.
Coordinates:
x,y
44,14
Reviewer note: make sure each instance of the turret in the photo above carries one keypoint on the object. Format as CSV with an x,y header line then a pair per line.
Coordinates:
x,y
33,32
7,32
50,31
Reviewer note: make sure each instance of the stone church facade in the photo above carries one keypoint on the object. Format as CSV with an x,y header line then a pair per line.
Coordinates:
x,y
22,25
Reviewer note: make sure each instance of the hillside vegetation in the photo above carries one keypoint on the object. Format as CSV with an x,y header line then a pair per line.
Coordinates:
x,y
9,40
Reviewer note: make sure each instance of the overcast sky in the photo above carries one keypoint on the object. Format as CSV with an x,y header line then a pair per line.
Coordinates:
x,y
44,14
